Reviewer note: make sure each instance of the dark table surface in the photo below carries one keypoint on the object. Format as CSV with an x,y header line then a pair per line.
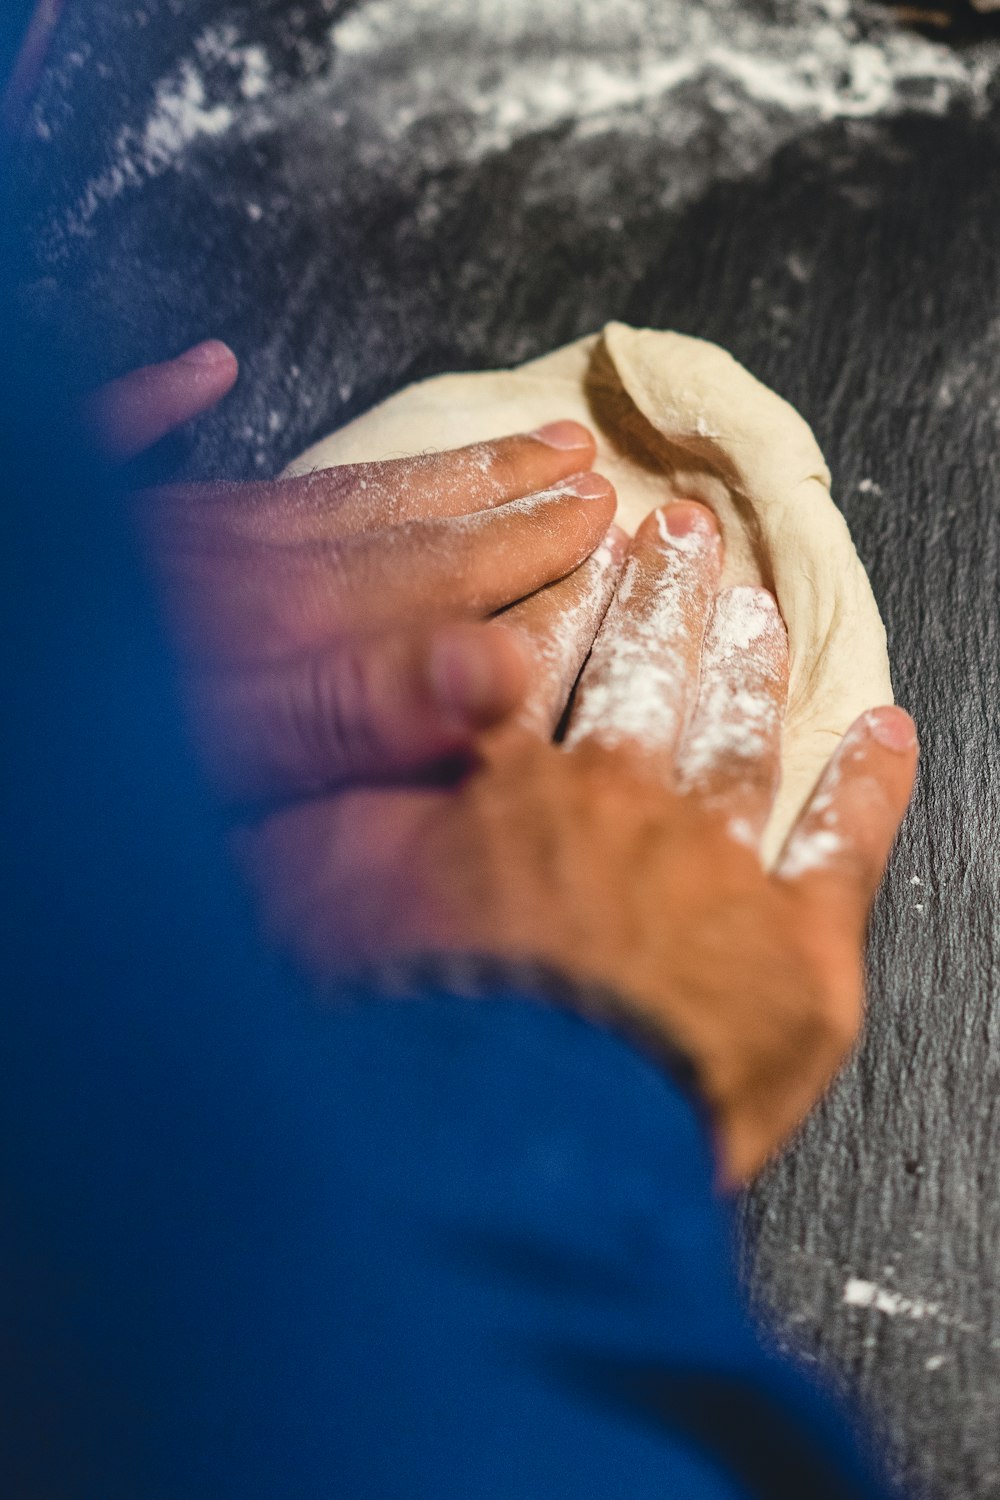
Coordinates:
x,y
355,195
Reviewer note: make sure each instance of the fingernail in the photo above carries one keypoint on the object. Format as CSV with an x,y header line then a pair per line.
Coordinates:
x,y
210,352
587,487
892,728
463,677
686,516
565,436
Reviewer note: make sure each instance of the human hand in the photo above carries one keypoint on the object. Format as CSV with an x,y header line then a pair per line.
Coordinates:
x,y
332,624
129,415
630,860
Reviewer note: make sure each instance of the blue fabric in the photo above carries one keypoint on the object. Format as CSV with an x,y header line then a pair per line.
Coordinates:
x,y
430,1249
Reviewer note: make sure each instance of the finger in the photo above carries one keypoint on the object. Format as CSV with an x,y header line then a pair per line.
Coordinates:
x,y
731,756
358,499
641,682
131,414
470,565
367,709
480,563
557,625
838,849
287,600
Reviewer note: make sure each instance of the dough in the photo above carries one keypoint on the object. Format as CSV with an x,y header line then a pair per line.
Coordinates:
x,y
676,415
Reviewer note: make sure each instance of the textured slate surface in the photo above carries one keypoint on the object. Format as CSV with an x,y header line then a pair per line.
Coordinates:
x,y
354,212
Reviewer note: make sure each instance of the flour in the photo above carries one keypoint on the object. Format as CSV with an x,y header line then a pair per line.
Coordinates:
x,y
861,1293
692,543
595,64
744,617
560,639
808,852
858,1293
820,843
429,85
637,687
742,697
184,112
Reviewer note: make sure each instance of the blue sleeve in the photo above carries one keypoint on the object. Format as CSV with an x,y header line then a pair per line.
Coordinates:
x,y
524,1281
402,1250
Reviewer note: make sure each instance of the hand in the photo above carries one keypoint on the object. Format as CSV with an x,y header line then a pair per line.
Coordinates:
x,y
329,622
332,624
630,860
131,414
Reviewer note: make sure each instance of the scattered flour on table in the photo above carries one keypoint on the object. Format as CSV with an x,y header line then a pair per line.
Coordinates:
x,y
722,86
202,98
861,1293
431,84
583,61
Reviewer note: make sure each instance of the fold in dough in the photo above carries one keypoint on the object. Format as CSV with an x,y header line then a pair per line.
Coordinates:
x,y
678,416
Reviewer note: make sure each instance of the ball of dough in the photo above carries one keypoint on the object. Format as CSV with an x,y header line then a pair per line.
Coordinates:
x,y
678,417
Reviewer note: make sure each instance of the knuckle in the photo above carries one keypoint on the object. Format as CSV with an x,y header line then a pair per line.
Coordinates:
x,y
509,468
334,485
336,723
572,527
479,577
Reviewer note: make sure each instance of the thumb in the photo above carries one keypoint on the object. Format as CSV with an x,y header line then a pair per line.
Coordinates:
x,y
366,709
131,414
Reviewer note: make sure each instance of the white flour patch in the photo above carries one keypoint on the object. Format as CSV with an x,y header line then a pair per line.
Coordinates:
x,y
740,706
561,646
868,1294
858,1293
434,84
494,72
692,542
744,617
636,690
615,57
810,851
742,831
183,113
